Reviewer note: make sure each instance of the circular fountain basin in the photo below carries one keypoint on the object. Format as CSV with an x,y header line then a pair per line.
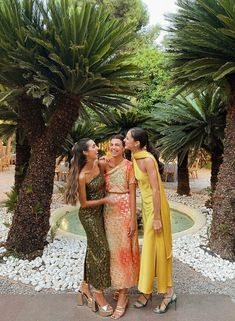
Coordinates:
x,y
184,220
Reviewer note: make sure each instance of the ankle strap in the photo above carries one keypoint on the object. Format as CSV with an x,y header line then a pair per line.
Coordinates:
x,y
147,296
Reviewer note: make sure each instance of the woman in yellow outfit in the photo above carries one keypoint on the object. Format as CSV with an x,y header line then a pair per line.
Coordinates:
x,y
156,256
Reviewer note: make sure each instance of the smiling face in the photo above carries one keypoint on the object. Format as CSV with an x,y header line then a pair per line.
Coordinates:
x,y
130,143
116,147
92,150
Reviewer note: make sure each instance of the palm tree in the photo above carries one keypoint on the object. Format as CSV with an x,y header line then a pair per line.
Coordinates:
x,y
189,124
120,121
201,41
62,57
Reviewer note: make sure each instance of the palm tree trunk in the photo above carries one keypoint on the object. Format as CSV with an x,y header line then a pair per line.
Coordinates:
x,y
30,224
22,160
183,187
222,238
216,161
31,218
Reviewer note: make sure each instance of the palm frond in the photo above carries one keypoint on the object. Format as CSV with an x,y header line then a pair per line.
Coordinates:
x,y
191,122
68,47
120,121
201,43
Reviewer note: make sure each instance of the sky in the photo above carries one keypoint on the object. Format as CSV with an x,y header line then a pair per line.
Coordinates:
x,y
157,9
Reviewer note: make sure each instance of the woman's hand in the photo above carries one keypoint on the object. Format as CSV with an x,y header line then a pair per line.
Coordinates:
x,y
104,158
132,228
157,225
110,201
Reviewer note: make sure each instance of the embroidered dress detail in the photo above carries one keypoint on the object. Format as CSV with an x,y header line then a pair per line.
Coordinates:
x,y
124,250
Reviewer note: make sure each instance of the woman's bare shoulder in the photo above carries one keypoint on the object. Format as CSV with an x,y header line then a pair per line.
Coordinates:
x,y
82,176
148,160
149,163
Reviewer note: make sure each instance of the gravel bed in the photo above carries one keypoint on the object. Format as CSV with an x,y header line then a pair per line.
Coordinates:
x,y
186,281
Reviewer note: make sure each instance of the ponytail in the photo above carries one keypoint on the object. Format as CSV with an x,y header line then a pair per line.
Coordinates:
x,y
151,149
78,161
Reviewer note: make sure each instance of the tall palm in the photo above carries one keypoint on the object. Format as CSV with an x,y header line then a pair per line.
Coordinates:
x,y
64,57
191,123
201,41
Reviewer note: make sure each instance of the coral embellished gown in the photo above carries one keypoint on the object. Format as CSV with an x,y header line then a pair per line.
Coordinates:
x,y
124,250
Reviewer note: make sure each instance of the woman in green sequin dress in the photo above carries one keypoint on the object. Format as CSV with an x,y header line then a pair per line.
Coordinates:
x,y
87,183
97,267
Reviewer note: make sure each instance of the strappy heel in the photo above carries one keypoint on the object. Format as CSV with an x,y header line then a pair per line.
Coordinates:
x,y
172,299
104,311
82,297
120,310
139,304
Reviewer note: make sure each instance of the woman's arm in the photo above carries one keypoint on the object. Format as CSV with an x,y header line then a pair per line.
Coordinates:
x,y
152,174
132,195
82,195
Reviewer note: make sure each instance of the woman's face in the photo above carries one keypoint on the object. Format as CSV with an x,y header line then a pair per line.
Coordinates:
x,y
130,143
92,152
116,147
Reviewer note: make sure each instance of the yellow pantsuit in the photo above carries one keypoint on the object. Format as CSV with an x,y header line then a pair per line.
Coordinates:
x,y
156,256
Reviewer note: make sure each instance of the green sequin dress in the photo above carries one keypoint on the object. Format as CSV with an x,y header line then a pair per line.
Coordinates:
x,y
97,261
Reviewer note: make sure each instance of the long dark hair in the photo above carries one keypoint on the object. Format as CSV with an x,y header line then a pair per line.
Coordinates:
x,y
78,161
141,135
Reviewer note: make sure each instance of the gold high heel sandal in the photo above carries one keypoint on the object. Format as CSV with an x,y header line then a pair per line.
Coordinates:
x,y
104,311
170,299
120,310
83,298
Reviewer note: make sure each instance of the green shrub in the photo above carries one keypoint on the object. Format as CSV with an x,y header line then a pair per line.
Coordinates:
x,y
11,201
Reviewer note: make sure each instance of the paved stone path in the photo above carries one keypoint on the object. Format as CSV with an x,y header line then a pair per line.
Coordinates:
x,y
63,308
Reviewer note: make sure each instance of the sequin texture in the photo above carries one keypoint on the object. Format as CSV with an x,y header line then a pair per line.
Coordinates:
x,y
97,261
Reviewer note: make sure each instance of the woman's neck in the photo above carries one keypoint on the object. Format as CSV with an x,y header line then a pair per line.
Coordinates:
x,y
138,150
90,164
117,160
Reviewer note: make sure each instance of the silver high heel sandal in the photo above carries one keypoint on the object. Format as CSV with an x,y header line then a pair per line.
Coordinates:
x,y
170,299
138,304
104,311
82,298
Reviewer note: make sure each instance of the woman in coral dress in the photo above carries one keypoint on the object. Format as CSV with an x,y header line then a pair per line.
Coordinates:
x,y
156,256
120,223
